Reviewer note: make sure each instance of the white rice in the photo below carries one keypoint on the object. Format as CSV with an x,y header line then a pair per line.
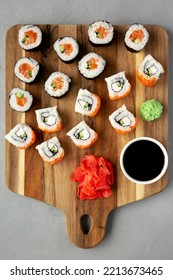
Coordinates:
x,y
140,45
14,135
33,64
85,96
44,151
149,62
91,73
92,34
121,112
22,37
111,81
52,114
63,55
13,103
57,92
87,131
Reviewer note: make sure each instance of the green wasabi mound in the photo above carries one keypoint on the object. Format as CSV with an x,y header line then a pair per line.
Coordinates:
x,y
151,110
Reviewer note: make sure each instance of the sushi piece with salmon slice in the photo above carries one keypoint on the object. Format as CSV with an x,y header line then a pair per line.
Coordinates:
x,y
87,103
20,100
91,65
51,151
21,136
66,48
123,121
29,37
82,135
118,86
148,72
57,85
26,69
48,119
136,38
100,32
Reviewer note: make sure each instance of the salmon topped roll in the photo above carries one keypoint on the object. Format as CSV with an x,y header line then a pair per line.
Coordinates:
x,y
51,151
91,65
100,32
20,100
118,86
87,103
21,136
136,37
66,48
148,72
82,135
122,120
48,119
26,69
57,85
29,37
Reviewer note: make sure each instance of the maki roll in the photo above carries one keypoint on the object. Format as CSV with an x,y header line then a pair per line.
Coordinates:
x,y
66,48
91,65
100,32
48,119
26,69
122,120
51,151
136,37
29,37
21,136
118,86
87,103
58,84
20,100
82,135
149,71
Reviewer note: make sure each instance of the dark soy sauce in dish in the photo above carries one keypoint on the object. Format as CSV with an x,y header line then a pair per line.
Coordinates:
x,y
143,160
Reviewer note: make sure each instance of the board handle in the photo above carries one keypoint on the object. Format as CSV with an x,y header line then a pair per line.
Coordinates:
x,y
87,230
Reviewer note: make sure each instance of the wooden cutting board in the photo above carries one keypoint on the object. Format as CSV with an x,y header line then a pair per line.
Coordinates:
x,y
26,173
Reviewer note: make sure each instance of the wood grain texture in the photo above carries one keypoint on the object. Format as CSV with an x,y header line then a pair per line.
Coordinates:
x,y
28,175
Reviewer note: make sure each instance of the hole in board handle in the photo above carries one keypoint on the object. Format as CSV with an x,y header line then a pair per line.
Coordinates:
x,y
85,223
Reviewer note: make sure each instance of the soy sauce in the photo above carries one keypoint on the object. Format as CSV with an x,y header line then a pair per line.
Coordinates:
x,y
143,160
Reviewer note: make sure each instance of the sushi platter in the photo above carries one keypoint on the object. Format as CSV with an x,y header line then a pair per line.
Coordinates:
x,y
29,175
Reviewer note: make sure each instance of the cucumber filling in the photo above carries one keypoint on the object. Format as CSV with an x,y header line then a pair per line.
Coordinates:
x,y
117,85
62,48
82,134
25,38
19,95
21,134
48,119
52,147
53,85
86,102
30,73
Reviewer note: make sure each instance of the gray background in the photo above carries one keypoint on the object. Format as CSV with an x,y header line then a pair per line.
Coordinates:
x,y
33,230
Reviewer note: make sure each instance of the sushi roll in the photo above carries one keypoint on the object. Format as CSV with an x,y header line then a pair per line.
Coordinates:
x,y
91,65
48,119
136,37
87,103
100,32
149,71
20,100
118,86
122,120
29,37
82,135
51,151
58,84
66,48
21,136
26,69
